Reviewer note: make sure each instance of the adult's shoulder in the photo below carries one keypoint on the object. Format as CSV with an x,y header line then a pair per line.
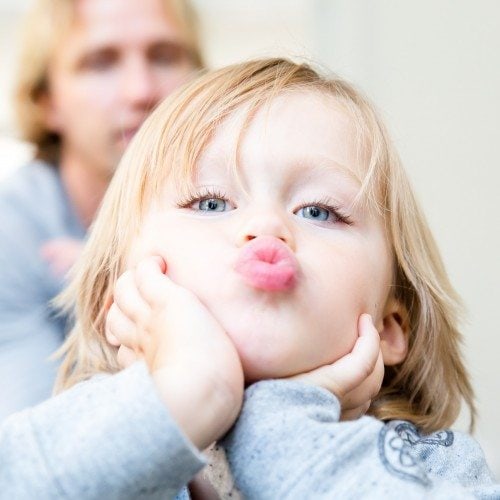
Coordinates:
x,y
34,205
29,194
33,210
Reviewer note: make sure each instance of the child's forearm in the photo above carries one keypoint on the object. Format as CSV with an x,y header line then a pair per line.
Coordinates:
x,y
107,438
192,361
288,443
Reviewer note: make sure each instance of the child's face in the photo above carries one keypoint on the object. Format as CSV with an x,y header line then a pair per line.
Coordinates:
x,y
297,156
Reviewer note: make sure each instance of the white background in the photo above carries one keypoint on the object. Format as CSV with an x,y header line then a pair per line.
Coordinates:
x,y
433,69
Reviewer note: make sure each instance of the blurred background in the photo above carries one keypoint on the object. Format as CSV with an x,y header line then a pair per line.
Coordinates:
x,y
433,69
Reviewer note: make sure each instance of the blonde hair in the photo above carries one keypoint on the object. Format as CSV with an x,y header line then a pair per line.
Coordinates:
x,y
429,386
45,27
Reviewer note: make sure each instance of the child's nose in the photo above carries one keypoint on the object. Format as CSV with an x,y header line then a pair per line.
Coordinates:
x,y
270,222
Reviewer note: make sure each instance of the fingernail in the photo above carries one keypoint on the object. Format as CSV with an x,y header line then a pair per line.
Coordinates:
x,y
367,317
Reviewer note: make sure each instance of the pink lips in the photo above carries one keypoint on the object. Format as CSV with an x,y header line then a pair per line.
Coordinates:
x,y
267,263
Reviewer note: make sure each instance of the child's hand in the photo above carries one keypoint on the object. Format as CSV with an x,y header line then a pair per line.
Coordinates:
x,y
355,378
192,361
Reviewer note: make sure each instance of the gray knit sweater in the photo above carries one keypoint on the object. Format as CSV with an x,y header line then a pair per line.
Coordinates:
x,y
112,438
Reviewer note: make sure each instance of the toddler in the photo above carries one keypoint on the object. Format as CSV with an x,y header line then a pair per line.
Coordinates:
x,y
261,250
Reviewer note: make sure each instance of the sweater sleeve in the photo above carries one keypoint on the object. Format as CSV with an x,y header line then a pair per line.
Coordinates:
x,y
110,437
288,443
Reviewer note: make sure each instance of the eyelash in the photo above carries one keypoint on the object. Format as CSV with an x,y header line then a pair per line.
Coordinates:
x,y
327,204
204,194
324,203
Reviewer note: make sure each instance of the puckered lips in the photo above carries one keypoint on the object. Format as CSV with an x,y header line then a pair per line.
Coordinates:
x,y
266,263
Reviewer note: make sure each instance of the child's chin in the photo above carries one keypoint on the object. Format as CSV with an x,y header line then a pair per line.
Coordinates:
x,y
263,365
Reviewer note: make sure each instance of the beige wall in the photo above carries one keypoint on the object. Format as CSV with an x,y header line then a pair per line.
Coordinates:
x,y
432,67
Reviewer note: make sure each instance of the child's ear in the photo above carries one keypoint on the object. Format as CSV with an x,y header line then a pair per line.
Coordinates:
x,y
394,333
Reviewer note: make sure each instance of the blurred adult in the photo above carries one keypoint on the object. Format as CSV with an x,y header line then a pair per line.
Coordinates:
x,y
90,71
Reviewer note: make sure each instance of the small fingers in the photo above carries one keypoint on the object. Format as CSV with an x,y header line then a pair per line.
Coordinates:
x,y
353,369
128,299
368,388
367,391
120,330
361,362
355,413
367,348
152,284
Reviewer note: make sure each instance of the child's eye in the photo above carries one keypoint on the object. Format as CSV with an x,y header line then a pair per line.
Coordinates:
x,y
313,212
323,213
207,201
211,205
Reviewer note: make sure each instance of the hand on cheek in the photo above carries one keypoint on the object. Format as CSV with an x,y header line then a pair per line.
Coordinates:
x,y
355,378
191,359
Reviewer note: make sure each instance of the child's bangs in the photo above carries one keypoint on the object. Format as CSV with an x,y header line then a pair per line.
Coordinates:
x,y
183,136
181,128
372,150
184,167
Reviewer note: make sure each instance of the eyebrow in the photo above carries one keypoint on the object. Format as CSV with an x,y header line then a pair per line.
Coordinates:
x,y
103,43
318,166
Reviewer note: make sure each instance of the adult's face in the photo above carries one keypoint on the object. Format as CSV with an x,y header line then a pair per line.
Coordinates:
x,y
119,58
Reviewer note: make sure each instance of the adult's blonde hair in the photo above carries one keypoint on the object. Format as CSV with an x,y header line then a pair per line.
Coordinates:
x,y
429,386
45,27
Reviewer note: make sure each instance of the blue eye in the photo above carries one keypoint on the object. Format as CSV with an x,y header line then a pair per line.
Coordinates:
x,y
207,201
314,212
212,205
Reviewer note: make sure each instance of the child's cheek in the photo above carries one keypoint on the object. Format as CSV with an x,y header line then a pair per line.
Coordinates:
x,y
149,241
139,249
194,262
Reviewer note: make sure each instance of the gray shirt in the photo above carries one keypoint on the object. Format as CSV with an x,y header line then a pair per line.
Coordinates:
x,y
288,443
112,438
34,209
108,438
